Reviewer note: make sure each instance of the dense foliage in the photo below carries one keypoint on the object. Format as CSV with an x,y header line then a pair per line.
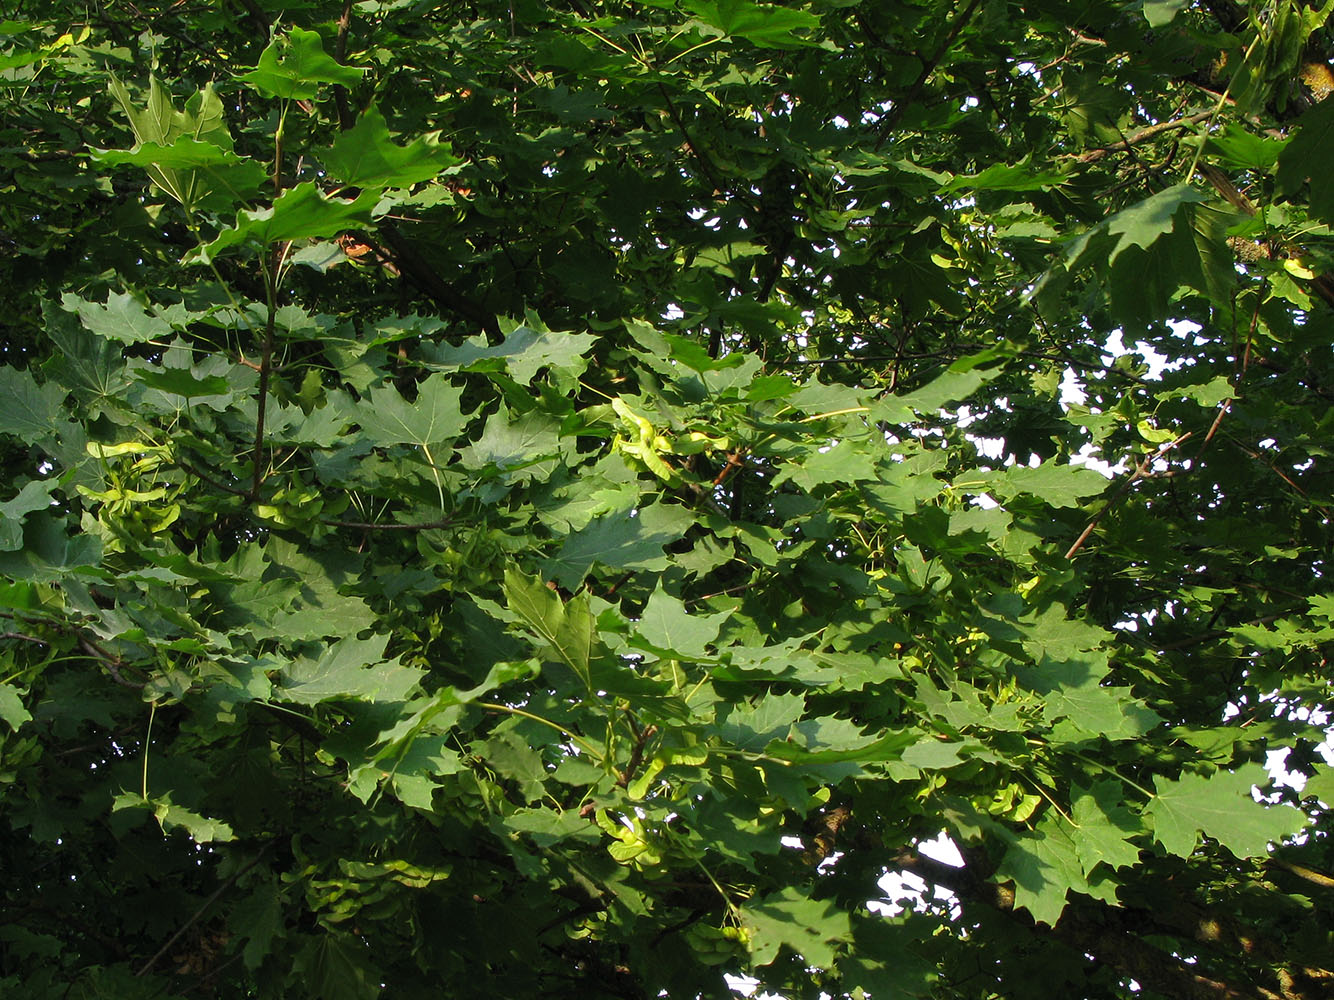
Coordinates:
x,y
507,499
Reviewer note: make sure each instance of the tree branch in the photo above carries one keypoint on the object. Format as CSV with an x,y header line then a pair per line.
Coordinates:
x,y
1142,471
265,368
444,522
340,53
928,67
642,737
704,163
194,917
1143,135
1108,938
419,271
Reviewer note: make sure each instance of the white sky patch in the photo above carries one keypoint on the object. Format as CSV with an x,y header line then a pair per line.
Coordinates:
x,y
900,887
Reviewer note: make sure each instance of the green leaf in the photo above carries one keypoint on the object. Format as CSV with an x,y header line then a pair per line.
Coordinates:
x,y
1306,156
1211,393
336,966
569,629
814,929
665,625
122,319
36,495
31,411
1221,806
1044,865
1073,689
522,447
293,66
696,356
1321,785
414,771
180,382
1006,177
92,367
1242,148
170,816
959,382
365,156
528,348
301,212
1162,12
755,726
159,123
49,552
11,706
1058,485
764,25
1104,827
387,418
350,669
258,920
1143,224
193,172
620,542
187,153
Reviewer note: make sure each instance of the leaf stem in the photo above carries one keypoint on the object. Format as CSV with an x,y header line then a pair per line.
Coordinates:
x,y
265,369
435,472
148,738
588,748
1115,774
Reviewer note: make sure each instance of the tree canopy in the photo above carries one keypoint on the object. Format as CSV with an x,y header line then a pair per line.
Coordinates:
x,y
508,499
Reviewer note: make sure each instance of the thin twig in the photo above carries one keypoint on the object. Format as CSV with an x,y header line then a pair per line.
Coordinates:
x,y
1142,471
234,490
709,173
265,368
1310,874
928,67
636,754
24,637
1143,135
444,522
194,917
340,54
108,660
1217,633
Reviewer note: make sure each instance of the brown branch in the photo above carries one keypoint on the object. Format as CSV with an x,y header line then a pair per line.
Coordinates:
x,y
636,753
734,462
1143,135
1321,284
1111,938
194,917
1142,471
958,352
265,368
24,637
825,840
705,164
928,67
1218,633
234,490
1301,871
258,17
1229,15
421,273
444,522
108,660
340,53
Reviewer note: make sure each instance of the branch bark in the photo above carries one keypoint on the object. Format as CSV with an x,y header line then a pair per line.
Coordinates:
x,y
1114,937
1143,135
421,273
